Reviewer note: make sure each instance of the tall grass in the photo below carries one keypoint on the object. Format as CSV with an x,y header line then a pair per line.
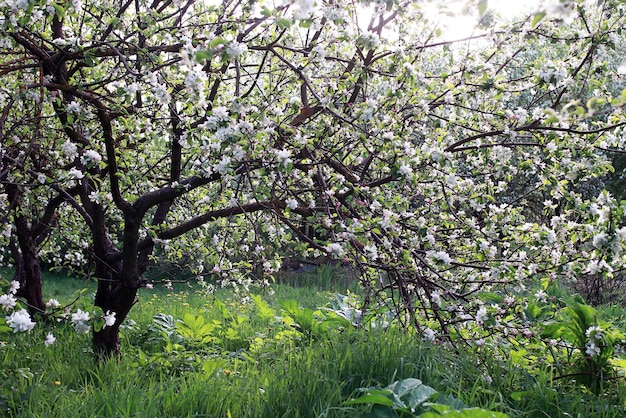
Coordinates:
x,y
257,374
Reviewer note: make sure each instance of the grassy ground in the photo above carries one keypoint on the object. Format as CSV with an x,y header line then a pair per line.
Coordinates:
x,y
240,361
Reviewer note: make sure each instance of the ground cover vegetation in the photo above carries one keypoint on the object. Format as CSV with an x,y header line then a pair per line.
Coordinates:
x,y
263,366
469,184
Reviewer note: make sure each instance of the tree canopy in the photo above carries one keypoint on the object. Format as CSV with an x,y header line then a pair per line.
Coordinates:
x,y
230,135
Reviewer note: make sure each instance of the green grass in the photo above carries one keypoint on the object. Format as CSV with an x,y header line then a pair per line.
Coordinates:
x,y
262,368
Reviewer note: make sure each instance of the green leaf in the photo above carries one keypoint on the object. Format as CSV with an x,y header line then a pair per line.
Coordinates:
x,y
202,56
306,23
482,7
466,413
518,396
264,310
98,324
375,397
379,411
538,18
418,396
211,367
59,8
283,23
218,41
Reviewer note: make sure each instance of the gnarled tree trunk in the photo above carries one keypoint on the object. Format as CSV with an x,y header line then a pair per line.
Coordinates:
x,y
25,255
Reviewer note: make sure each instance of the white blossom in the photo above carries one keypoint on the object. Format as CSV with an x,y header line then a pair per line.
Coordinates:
x,y
335,249
371,252
220,113
73,107
8,301
599,240
235,49
429,334
442,256
283,157
80,320
481,315
594,332
304,8
69,149
435,297
541,296
370,40
223,167
94,197
405,170
291,203
50,339
91,156
52,303
20,321
109,319
591,349
15,285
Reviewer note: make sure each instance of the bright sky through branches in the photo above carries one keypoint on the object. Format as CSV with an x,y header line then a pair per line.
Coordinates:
x,y
455,24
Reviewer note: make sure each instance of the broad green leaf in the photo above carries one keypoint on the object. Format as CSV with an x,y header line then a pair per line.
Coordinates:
x,y
482,7
375,397
466,413
537,18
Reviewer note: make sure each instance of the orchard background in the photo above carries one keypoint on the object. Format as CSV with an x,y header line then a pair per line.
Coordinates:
x,y
466,190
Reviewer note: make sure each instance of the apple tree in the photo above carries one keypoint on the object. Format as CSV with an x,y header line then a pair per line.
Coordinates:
x,y
220,134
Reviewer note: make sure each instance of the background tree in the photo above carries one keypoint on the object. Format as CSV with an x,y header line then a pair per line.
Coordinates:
x,y
229,130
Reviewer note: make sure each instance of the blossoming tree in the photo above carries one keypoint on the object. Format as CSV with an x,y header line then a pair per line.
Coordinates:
x,y
441,169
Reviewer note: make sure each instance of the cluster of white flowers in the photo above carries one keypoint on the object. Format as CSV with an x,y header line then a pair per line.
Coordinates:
x,y
75,174
223,166
370,40
562,9
74,107
109,319
429,334
52,303
91,157
481,315
304,8
541,296
80,321
291,203
553,73
442,256
20,321
283,157
235,49
335,249
435,298
405,170
8,301
595,335
69,149
371,252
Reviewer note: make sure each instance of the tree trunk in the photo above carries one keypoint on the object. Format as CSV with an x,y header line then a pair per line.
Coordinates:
x,y
28,269
106,342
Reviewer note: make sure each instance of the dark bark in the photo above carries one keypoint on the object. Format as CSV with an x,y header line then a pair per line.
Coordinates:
x,y
28,270
120,299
